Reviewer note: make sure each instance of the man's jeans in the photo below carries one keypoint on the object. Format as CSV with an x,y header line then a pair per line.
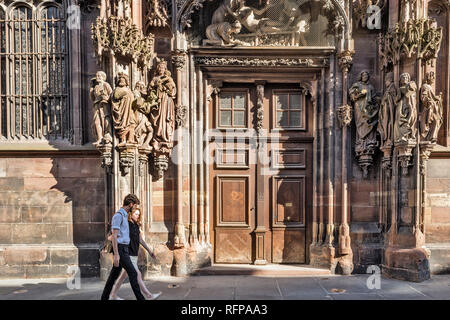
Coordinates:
x,y
125,262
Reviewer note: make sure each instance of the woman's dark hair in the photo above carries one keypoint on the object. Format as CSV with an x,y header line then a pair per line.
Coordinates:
x,y
131,198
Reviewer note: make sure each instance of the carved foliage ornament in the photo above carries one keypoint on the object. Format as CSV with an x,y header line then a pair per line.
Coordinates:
x,y
345,60
158,13
189,7
121,38
260,108
420,37
438,7
256,62
180,116
344,114
179,59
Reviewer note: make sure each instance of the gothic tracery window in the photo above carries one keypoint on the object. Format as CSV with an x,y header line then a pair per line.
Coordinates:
x,y
33,61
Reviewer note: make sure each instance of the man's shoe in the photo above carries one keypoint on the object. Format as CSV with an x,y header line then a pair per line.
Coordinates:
x,y
155,296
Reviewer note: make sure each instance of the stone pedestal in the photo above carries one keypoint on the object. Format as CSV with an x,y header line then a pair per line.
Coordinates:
x,y
323,256
179,267
407,264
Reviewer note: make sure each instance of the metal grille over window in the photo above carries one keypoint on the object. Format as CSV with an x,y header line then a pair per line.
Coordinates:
x,y
33,87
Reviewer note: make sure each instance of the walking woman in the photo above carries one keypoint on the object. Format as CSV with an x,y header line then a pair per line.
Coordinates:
x,y
134,221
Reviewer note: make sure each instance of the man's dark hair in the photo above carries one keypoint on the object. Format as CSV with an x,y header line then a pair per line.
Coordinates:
x,y
131,198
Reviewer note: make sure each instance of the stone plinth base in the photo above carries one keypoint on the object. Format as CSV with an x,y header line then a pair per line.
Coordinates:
x,y
345,264
37,261
407,264
440,258
175,262
322,256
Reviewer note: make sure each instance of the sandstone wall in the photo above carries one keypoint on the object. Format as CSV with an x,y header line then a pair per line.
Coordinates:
x,y
366,237
437,218
51,215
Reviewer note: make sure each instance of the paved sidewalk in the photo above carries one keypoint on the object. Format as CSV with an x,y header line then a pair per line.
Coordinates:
x,y
243,287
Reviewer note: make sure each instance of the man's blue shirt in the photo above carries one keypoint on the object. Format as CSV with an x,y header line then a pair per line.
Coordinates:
x,y
120,222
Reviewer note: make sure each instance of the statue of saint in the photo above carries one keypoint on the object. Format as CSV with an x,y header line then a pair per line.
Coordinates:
x,y
162,116
363,95
406,111
100,93
144,130
430,119
387,111
123,114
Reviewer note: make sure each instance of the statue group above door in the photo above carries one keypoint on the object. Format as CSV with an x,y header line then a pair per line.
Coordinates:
x,y
272,23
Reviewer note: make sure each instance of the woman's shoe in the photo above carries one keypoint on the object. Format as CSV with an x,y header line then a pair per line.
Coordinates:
x,y
115,298
155,296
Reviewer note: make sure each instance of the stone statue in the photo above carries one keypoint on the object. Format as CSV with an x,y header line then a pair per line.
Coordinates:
x,y
100,93
162,116
387,111
246,16
278,16
123,114
144,130
430,119
363,95
285,15
222,34
406,111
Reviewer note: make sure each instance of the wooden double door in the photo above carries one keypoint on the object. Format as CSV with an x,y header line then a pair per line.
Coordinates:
x,y
261,180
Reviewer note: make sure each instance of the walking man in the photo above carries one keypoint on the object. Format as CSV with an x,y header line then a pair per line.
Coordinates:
x,y
120,242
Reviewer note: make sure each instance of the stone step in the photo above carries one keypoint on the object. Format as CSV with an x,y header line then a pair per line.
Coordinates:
x,y
261,270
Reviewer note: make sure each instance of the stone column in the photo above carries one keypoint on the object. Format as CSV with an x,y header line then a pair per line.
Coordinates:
x,y
193,239
405,255
180,267
260,230
344,114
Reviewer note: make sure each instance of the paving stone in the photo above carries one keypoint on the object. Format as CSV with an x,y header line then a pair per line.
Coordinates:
x,y
216,293
257,288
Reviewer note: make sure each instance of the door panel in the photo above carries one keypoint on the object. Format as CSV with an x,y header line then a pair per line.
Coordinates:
x,y
288,219
285,182
232,175
233,199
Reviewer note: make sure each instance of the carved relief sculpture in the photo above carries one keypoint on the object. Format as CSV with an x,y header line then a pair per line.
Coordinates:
x,y
430,119
123,114
363,96
276,23
100,93
162,116
144,130
406,112
386,119
405,121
